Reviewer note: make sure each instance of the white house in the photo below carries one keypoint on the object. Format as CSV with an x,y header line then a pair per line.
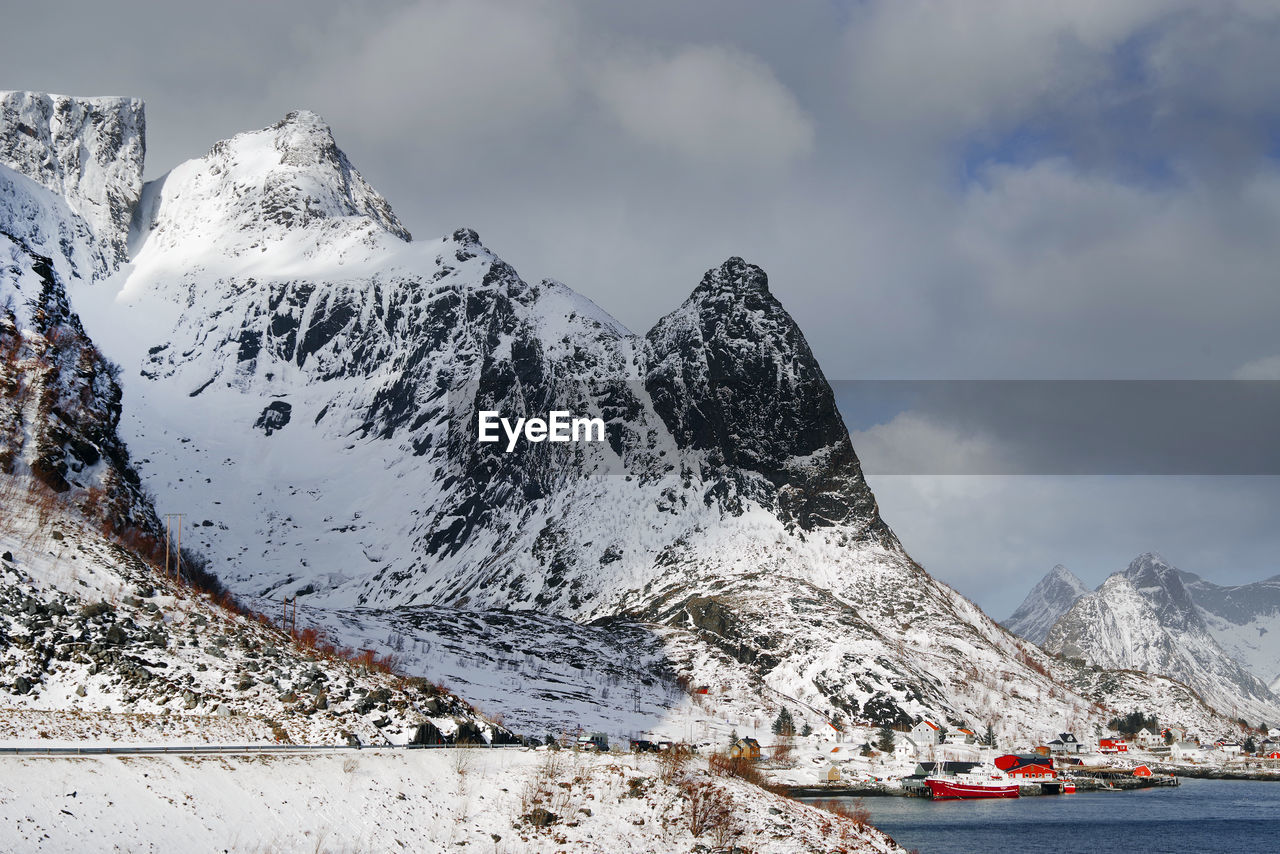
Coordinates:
x,y
1147,738
958,736
1186,751
926,732
905,747
1231,748
1066,742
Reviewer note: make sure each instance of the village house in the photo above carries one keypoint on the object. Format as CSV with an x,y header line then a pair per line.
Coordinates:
x,y
959,736
905,747
1113,745
745,748
1146,738
1026,766
1186,751
926,732
1066,742
1230,748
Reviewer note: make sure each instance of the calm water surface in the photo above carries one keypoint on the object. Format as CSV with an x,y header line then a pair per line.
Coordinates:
x,y
1198,816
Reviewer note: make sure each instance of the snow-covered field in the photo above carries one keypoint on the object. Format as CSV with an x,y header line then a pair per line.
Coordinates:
x,y
428,801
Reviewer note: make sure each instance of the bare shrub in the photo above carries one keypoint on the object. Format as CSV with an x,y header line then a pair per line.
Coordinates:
x,y
855,812
724,765
671,764
710,809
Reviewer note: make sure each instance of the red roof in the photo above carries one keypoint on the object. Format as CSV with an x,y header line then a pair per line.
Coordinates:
x,y
1012,762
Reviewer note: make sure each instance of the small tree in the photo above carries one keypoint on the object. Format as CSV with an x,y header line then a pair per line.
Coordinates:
x,y
733,736
807,730
885,739
1168,736
989,739
783,725
1250,746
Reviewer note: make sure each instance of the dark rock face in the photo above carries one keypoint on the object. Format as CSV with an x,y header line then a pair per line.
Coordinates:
x,y
47,360
730,373
274,417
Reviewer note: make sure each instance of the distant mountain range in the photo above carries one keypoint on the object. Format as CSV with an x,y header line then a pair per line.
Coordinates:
x,y
1154,617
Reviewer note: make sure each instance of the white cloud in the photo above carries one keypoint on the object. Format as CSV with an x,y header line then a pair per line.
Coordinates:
x,y
709,103
448,72
914,444
966,66
1260,369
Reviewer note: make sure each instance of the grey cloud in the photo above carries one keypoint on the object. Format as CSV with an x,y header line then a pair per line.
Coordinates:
x,y
994,189
1036,427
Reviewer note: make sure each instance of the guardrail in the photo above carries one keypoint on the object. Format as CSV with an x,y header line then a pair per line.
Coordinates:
x,y
228,748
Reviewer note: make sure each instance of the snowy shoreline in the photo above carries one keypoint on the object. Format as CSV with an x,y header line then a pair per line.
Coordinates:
x,y
381,800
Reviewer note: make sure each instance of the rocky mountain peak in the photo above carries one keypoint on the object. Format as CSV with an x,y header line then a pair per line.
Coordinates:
x,y
735,276
1052,597
88,150
268,185
1162,585
730,373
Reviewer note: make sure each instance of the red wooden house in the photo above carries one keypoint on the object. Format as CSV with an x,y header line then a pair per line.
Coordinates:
x,y
1026,767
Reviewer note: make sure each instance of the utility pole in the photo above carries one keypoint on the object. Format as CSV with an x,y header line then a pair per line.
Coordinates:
x,y
289,622
168,530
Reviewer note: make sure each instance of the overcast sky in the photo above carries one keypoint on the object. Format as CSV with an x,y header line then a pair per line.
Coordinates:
x,y
986,189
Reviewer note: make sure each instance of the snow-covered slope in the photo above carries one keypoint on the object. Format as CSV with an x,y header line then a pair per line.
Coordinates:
x,y
302,382
1245,620
92,643
1052,597
88,150
499,801
96,645
1144,619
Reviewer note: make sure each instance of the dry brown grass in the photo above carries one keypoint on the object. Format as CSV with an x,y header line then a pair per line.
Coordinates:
x,y
856,812
724,765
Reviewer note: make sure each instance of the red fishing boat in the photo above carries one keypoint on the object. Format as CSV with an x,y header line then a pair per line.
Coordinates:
x,y
978,783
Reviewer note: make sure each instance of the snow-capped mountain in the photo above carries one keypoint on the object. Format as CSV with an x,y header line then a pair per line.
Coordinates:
x,y
302,381
88,150
1052,597
88,629
1144,619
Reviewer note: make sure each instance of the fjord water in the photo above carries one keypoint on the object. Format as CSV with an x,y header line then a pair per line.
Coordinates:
x,y
1199,816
